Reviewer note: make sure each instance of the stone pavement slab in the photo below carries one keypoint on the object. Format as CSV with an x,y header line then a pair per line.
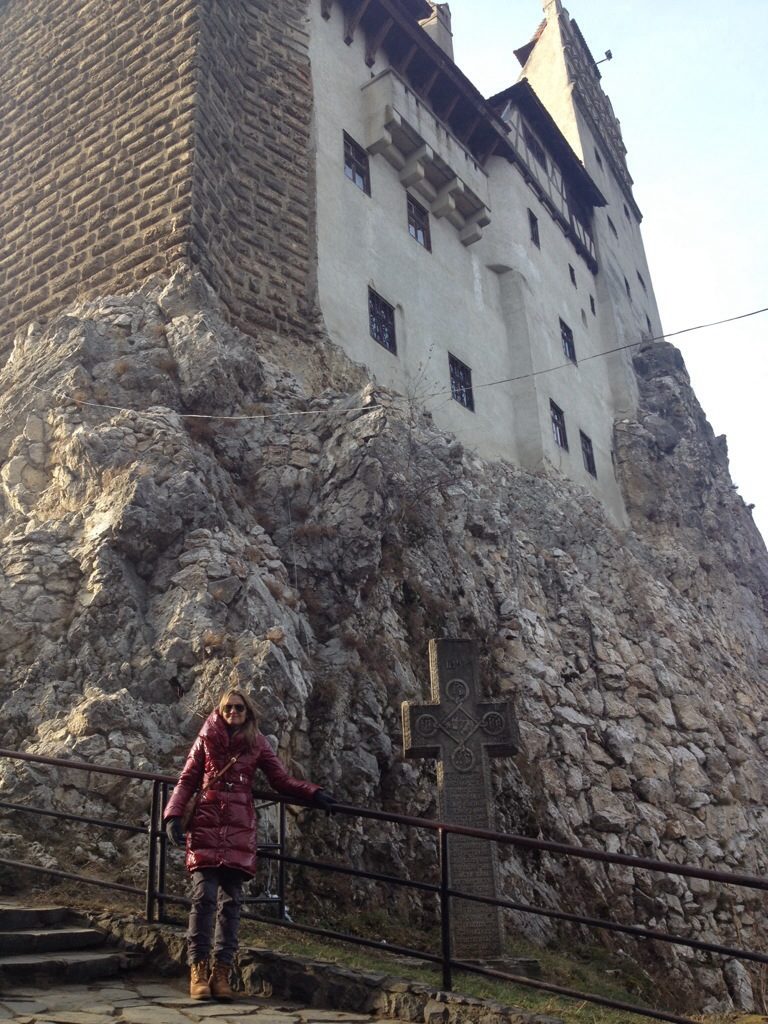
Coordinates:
x,y
156,1001
333,1017
212,1011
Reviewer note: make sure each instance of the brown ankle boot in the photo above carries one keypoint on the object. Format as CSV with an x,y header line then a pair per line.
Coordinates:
x,y
198,981
220,987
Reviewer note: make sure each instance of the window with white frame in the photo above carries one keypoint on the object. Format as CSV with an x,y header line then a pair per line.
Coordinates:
x,y
356,166
558,425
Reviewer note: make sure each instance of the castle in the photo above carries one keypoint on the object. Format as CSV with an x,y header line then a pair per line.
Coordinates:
x,y
325,161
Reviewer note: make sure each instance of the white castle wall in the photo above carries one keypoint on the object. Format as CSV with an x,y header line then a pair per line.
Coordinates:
x,y
495,304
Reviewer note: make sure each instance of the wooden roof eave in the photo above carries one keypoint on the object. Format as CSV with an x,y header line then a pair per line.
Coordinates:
x,y
523,95
488,134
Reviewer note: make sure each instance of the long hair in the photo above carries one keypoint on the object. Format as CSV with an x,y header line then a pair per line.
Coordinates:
x,y
250,727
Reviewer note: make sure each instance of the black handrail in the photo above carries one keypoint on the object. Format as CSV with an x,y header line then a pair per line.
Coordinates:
x,y
157,898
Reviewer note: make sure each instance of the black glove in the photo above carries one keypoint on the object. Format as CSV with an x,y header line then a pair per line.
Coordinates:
x,y
324,801
173,832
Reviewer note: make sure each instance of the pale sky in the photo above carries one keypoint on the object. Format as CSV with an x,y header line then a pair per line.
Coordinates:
x,y
689,84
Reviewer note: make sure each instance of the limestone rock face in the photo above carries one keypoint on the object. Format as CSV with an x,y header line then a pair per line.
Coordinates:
x,y
310,540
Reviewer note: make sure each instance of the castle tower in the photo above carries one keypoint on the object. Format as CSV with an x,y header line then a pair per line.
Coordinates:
x,y
559,66
326,162
147,133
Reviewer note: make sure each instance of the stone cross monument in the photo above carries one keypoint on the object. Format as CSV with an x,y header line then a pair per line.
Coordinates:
x,y
462,731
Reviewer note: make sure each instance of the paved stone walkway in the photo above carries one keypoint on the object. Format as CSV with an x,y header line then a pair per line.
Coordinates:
x,y
155,1002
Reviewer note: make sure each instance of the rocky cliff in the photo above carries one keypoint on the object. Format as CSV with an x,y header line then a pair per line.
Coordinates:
x,y
178,509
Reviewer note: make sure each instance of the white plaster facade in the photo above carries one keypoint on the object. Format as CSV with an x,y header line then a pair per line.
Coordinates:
x,y
485,293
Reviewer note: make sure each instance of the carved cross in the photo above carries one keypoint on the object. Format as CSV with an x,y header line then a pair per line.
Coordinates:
x,y
463,731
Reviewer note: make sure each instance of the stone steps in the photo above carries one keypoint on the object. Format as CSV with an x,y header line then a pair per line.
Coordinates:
x,y
45,944
46,940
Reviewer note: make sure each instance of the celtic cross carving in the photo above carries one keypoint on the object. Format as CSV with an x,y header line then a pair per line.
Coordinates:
x,y
462,731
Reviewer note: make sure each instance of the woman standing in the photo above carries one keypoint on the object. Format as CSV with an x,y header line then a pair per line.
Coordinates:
x,y
221,835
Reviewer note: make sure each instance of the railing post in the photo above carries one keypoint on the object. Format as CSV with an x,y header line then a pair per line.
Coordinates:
x,y
281,867
445,910
154,817
163,858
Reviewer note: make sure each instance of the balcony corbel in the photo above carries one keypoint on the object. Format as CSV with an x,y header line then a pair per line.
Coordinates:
x,y
381,140
444,204
384,145
473,227
415,168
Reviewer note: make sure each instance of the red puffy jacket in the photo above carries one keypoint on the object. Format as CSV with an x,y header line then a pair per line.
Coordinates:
x,y
222,832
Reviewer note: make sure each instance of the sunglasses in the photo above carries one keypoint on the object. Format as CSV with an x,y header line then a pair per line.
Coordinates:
x,y
229,708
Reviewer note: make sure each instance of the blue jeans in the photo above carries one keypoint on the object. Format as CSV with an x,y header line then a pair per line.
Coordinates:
x,y
216,892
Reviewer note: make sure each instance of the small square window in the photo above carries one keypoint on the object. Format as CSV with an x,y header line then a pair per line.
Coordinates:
x,y
588,454
568,345
533,224
572,273
461,382
418,223
356,166
558,425
381,321
592,305
612,226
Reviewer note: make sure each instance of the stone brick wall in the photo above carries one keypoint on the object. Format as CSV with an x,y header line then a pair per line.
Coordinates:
x,y
97,107
254,175
141,133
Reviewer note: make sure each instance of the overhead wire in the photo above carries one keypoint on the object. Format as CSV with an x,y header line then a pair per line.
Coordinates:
x,y
437,394
611,351
191,415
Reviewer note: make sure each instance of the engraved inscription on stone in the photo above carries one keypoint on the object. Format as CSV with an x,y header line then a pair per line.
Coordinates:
x,y
462,732
493,723
426,725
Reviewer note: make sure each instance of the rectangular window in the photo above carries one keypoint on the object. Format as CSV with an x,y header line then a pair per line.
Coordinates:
x,y
642,281
588,454
461,382
572,273
627,288
381,321
612,226
568,345
418,223
592,305
535,148
533,224
558,425
356,166
648,323
599,160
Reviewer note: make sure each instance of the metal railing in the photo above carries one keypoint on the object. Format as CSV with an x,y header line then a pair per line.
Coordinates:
x,y
157,897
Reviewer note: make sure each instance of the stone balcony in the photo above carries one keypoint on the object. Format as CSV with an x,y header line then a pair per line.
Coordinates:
x,y
429,160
